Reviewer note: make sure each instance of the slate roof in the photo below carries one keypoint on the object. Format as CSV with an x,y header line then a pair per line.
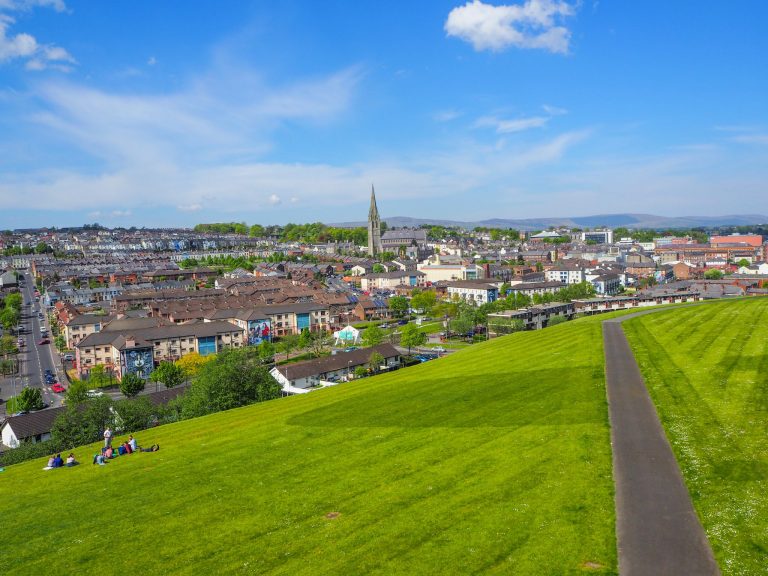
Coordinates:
x,y
34,423
339,361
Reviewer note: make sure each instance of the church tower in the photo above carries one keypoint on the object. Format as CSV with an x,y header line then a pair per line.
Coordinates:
x,y
374,227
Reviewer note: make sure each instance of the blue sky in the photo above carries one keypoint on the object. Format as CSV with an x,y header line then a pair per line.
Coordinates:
x,y
173,113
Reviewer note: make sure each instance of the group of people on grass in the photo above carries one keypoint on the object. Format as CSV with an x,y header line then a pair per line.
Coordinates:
x,y
128,447
55,461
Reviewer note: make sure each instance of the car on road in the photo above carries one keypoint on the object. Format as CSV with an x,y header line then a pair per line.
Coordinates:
x,y
94,393
402,322
69,357
43,341
58,388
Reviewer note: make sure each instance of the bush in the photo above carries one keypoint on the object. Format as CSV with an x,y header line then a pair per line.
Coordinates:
x,y
28,451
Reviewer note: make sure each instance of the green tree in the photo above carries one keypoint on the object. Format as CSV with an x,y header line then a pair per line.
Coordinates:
x,y
131,385
169,374
305,339
360,371
713,274
83,423
134,414
9,317
266,351
398,305
411,336
287,343
236,377
505,325
378,268
373,335
13,301
375,361
60,342
29,399
320,343
743,263
98,377
77,393
8,345
424,301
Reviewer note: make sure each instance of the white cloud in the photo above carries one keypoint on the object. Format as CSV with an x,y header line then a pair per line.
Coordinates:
x,y
751,139
26,47
274,199
532,24
120,213
502,126
446,115
152,61
189,207
294,200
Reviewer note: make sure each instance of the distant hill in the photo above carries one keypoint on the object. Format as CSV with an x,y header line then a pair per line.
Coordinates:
x,y
610,220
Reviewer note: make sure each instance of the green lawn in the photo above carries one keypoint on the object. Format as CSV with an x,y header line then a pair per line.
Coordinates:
x,y
707,370
493,460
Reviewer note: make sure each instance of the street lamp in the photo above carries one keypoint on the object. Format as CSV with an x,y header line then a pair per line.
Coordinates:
x,y
349,369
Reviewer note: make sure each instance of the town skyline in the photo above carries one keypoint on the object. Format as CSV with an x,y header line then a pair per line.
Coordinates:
x,y
157,115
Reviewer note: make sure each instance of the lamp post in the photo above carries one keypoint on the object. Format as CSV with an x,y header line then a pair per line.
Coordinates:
x,y
349,369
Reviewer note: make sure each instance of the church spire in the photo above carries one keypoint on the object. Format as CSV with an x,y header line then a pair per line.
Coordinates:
x,y
373,211
374,227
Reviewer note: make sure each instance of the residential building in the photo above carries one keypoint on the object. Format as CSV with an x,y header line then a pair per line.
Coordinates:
x,y
389,280
475,292
567,272
83,325
604,236
302,376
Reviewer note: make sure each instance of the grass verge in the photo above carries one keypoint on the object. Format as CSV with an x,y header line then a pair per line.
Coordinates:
x,y
706,368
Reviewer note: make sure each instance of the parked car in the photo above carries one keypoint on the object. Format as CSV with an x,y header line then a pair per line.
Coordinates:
x,y
58,388
402,322
69,357
94,393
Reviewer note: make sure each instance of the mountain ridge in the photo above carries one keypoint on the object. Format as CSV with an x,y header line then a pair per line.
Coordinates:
x,y
627,220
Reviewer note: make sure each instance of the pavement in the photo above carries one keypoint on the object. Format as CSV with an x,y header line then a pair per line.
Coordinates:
x,y
657,528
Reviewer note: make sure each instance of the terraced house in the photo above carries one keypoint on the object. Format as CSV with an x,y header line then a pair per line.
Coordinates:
x,y
121,348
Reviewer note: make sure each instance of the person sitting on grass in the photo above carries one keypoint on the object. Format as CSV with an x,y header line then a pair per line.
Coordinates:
x,y
127,446
153,448
71,460
133,443
99,459
109,453
51,461
58,462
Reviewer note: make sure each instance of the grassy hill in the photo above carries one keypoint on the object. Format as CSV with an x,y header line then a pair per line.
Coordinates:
x,y
707,370
494,460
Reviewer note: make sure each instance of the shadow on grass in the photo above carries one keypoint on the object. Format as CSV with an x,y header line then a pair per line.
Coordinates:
x,y
539,397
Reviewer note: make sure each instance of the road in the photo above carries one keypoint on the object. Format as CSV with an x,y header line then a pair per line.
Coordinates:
x,y
34,359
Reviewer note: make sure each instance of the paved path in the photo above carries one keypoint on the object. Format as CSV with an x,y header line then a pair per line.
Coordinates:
x,y
657,528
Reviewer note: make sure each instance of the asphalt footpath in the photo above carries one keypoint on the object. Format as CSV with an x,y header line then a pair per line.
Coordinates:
x,y
657,528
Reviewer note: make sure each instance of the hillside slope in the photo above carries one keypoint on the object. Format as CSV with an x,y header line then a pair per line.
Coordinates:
x,y
493,460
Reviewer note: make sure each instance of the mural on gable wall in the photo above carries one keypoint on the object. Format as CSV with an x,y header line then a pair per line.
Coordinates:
x,y
137,361
258,331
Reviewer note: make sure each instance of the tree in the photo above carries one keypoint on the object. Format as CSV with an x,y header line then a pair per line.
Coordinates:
x,y
319,343
743,263
411,336
83,423
713,274
398,305
305,339
29,399
77,393
236,377
131,385
169,374
98,377
360,371
192,363
134,414
378,268
373,335
462,324
266,351
374,361
287,343
60,343
9,317
8,345
424,301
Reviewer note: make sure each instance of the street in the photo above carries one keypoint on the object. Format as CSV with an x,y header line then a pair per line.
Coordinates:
x,y
34,359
